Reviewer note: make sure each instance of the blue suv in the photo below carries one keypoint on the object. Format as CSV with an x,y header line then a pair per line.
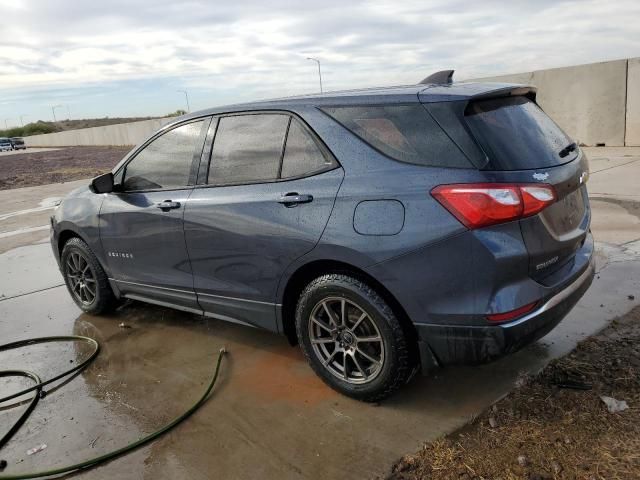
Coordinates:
x,y
384,230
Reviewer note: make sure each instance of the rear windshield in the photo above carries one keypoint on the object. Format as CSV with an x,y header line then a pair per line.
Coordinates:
x,y
403,132
517,135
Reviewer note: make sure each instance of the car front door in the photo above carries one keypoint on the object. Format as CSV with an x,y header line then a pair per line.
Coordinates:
x,y
269,190
141,224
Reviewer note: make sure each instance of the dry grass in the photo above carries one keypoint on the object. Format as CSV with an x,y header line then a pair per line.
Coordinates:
x,y
543,431
31,168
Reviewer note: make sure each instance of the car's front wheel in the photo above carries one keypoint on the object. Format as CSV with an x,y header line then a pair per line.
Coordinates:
x,y
352,338
85,279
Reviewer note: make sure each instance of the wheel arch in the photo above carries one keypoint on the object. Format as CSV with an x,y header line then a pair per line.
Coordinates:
x,y
69,231
316,268
64,236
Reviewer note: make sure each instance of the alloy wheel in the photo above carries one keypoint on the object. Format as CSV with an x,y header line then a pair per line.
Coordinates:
x,y
346,340
82,279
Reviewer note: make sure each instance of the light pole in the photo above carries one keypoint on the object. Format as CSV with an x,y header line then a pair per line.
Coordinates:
x,y
53,110
22,119
6,125
186,96
319,71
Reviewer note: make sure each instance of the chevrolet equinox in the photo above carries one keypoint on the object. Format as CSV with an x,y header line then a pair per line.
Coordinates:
x,y
384,230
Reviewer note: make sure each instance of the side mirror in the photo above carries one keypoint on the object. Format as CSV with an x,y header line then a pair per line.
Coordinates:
x,y
103,183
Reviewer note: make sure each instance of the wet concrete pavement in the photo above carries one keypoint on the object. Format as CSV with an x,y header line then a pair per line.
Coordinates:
x,y
269,416
25,212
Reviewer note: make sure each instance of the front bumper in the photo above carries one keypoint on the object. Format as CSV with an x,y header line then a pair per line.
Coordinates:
x,y
53,239
454,345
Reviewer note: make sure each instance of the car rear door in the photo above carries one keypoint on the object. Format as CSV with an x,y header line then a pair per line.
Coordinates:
x,y
521,144
267,191
142,225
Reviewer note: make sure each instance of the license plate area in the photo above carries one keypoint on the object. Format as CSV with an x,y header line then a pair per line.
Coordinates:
x,y
566,215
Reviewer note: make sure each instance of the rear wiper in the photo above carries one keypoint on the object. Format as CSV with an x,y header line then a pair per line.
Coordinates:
x,y
568,149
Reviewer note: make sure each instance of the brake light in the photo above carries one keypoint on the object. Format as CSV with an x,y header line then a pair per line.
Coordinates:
x,y
511,315
536,198
478,205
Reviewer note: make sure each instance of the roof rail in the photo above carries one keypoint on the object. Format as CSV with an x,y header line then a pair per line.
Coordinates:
x,y
441,77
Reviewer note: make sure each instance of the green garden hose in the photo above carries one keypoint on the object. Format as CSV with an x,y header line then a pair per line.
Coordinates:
x,y
16,426
39,392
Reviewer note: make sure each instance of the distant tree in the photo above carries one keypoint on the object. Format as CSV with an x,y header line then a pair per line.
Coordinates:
x,y
35,128
177,113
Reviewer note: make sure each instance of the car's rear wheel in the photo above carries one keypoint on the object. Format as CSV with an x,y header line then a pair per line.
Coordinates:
x,y
352,338
85,279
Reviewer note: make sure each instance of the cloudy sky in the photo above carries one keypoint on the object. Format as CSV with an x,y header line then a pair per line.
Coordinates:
x,y
130,57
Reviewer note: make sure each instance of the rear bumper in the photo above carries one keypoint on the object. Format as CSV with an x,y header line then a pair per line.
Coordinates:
x,y
455,344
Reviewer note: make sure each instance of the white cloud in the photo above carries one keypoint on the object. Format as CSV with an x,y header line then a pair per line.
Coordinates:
x,y
259,47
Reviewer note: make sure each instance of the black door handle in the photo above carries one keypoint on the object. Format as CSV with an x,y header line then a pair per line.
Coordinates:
x,y
292,199
167,205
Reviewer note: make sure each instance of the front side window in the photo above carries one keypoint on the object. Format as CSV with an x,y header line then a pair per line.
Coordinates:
x,y
247,148
302,156
166,161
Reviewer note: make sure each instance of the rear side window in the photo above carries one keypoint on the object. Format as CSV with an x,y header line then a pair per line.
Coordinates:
x,y
403,132
516,134
247,148
302,155
166,161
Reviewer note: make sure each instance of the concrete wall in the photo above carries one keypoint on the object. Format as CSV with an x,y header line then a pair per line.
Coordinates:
x,y
588,101
594,103
633,103
120,134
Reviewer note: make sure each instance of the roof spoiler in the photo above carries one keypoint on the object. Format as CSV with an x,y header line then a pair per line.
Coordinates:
x,y
439,78
528,91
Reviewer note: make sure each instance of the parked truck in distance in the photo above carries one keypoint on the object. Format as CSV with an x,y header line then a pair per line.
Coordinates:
x,y
18,143
5,145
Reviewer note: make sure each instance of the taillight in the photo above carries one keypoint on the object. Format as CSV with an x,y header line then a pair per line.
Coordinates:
x,y
511,315
536,198
478,205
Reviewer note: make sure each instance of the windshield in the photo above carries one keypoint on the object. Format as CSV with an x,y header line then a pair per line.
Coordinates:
x,y
517,135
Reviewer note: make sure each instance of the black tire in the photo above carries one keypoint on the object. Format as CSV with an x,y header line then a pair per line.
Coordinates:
x,y
103,300
333,291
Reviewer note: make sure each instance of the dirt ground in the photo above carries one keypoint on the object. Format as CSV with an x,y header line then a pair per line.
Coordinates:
x,y
554,426
64,165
